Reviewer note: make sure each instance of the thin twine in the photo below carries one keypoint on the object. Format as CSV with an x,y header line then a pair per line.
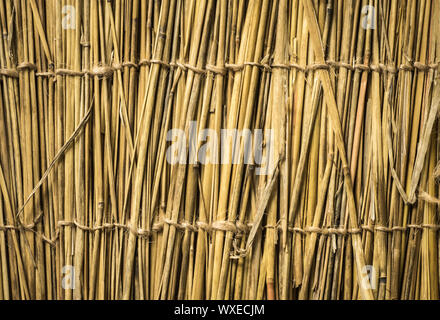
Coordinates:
x,y
108,71
237,228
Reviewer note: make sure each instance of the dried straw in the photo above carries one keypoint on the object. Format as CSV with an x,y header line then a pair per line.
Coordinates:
x,y
91,89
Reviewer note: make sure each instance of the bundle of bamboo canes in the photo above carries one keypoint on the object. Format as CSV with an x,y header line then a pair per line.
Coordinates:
x,y
91,207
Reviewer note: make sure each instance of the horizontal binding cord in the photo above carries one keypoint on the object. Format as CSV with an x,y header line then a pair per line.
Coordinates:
x,y
10,73
97,71
29,227
372,229
108,71
26,66
183,66
226,226
382,68
239,67
216,70
237,228
325,231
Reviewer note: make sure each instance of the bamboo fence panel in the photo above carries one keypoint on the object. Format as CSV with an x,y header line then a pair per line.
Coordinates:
x,y
335,197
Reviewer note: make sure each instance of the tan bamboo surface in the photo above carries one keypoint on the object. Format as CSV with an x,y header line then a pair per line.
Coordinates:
x,y
92,208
